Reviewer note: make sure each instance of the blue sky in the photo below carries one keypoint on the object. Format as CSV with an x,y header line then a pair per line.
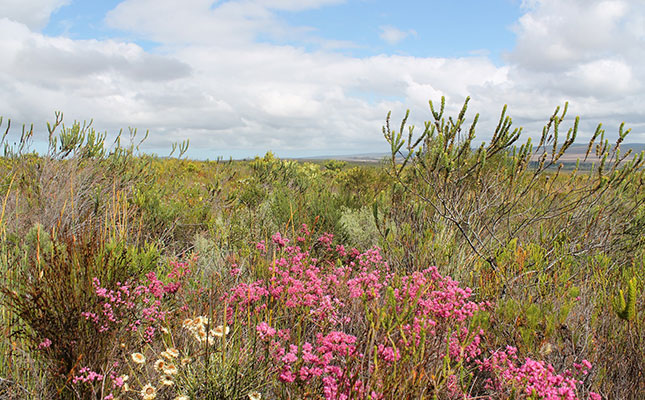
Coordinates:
x,y
455,28
312,77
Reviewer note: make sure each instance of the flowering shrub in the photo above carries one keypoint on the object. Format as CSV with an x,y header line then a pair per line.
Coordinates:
x,y
531,379
133,315
339,320
313,319
136,308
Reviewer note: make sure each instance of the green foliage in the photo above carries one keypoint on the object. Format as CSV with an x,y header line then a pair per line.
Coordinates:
x,y
550,244
49,288
625,307
499,191
358,227
335,166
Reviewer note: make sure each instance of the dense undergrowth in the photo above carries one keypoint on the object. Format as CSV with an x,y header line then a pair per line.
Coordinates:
x,y
449,272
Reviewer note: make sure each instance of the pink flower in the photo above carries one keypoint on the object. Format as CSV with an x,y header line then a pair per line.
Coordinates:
x,y
261,246
289,358
287,375
87,375
279,240
44,344
389,354
265,331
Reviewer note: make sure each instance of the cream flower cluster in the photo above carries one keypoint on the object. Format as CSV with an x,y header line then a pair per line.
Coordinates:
x,y
165,364
199,328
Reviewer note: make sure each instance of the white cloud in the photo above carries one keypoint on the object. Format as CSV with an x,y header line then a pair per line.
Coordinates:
x,y
604,77
587,52
213,82
33,13
209,22
296,5
554,35
392,35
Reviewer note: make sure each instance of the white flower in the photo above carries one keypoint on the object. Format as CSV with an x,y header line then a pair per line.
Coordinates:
x,y
138,358
148,392
200,335
172,352
170,369
160,364
220,331
188,323
166,380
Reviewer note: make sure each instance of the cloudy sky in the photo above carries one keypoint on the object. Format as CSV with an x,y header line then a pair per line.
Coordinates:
x,y
316,77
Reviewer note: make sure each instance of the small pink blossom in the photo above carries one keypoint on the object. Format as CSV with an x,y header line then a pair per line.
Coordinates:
x,y
45,344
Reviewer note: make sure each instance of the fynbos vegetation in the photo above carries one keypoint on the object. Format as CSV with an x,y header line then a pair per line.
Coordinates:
x,y
451,271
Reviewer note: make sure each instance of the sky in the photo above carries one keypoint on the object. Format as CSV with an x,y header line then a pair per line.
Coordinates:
x,y
303,78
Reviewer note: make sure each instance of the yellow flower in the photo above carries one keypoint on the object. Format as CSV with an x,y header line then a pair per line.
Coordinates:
x,y
125,387
182,397
160,364
165,355
172,352
201,320
164,330
186,360
255,396
148,392
138,358
170,369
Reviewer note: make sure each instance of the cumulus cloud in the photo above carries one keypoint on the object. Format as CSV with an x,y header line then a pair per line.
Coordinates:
x,y
34,13
213,81
555,35
392,35
40,74
587,52
208,22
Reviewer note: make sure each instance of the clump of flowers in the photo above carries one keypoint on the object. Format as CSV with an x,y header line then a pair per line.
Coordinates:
x,y
143,300
45,344
337,321
337,292
131,312
324,363
530,379
199,328
87,375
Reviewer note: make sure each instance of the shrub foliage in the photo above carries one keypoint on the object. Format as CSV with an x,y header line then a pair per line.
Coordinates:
x,y
448,271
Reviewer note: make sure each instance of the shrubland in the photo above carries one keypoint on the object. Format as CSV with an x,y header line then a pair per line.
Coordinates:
x,y
450,270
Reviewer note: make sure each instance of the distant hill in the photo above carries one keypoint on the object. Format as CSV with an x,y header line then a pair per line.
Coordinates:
x,y
575,152
359,158
578,151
